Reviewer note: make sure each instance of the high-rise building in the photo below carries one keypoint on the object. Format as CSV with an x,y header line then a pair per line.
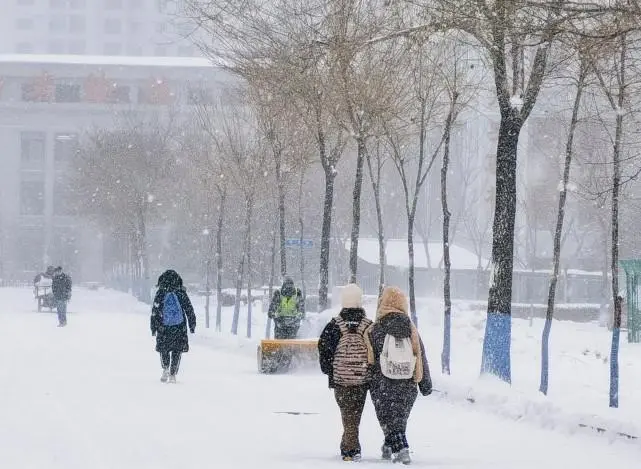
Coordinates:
x,y
95,27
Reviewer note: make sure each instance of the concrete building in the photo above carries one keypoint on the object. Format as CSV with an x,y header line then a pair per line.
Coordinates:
x,y
94,27
46,103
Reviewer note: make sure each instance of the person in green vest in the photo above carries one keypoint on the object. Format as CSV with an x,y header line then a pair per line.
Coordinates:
x,y
287,309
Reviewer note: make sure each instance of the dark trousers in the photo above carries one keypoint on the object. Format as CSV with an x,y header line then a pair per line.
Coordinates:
x,y
61,306
285,329
351,401
171,360
393,408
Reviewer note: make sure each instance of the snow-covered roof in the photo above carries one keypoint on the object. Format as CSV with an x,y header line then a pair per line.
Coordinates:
x,y
397,256
106,60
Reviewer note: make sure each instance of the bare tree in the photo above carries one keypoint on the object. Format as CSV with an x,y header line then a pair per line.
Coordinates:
x,y
121,177
581,78
517,38
375,164
427,96
616,94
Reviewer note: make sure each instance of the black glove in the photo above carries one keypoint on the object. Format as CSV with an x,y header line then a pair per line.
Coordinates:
x,y
425,388
192,330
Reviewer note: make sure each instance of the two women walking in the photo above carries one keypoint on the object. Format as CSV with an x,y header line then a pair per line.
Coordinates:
x,y
386,357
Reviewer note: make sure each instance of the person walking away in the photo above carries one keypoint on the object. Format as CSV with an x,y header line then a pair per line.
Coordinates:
x,y
343,358
61,289
398,364
287,309
171,314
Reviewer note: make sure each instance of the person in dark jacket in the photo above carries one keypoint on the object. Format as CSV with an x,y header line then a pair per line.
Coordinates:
x,y
61,290
394,398
287,309
171,337
343,357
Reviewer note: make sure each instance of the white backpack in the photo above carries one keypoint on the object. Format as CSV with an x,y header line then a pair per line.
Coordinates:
x,y
397,358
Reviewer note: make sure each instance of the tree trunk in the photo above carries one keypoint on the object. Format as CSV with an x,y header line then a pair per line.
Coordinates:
x,y
616,182
447,265
301,225
411,273
248,254
239,291
281,217
240,279
207,291
142,259
498,329
272,274
376,189
569,151
356,209
616,328
326,230
219,261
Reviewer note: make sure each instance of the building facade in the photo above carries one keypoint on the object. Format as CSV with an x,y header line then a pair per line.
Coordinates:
x,y
46,104
95,27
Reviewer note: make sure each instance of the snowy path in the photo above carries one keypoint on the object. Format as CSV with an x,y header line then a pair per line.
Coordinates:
x,y
88,396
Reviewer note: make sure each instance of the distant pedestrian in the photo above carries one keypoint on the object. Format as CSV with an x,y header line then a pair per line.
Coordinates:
x,y
399,365
287,309
61,289
171,314
343,358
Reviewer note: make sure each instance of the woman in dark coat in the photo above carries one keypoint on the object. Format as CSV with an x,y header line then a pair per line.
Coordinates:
x,y
171,336
394,398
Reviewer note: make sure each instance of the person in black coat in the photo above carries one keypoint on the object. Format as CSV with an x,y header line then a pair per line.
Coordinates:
x,y
171,340
61,290
346,366
394,398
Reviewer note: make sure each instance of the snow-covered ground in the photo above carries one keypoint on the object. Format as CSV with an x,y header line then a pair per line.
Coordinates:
x,y
89,396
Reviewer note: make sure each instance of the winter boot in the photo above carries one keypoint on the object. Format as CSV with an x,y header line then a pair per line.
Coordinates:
x,y
165,375
350,456
386,453
172,379
403,456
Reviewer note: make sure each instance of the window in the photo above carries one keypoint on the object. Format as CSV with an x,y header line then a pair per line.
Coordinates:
x,y
24,24
62,203
32,198
113,48
77,24
24,48
199,96
160,51
76,4
135,4
77,47
57,24
65,146
113,26
113,4
30,248
57,3
56,47
161,28
120,94
26,2
185,29
67,93
32,149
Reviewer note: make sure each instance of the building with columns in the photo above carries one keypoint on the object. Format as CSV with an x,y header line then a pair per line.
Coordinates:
x,y
46,104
